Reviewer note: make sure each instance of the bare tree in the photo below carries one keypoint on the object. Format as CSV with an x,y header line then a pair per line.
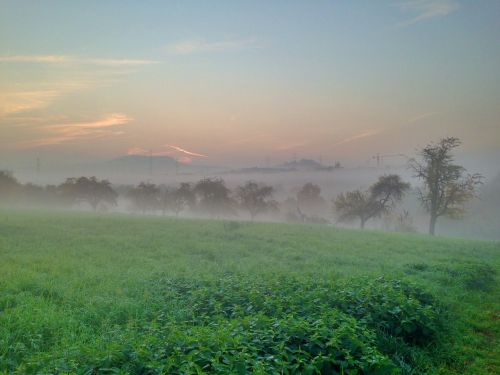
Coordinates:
x,y
447,186
255,198
380,198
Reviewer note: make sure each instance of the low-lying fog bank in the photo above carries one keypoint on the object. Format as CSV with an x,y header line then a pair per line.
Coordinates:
x,y
292,196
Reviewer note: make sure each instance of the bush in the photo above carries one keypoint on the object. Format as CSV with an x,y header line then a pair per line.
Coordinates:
x,y
239,325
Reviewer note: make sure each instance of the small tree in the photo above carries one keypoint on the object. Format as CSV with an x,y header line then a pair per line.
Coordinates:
x,y
447,187
145,197
255,198
214,196
380,198
89,190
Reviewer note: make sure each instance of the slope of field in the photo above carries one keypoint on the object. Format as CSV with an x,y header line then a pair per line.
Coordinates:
x,y
97,293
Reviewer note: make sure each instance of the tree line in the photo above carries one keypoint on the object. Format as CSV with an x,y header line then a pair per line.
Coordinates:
x,y
445,189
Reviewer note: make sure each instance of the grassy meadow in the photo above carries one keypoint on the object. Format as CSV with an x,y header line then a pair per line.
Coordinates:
x,y
117,294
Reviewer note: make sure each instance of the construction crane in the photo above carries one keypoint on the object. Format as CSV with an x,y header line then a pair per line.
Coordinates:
x,y
380,158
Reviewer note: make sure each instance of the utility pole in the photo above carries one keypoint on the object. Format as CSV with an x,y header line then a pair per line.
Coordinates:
x,y
38,170
150,163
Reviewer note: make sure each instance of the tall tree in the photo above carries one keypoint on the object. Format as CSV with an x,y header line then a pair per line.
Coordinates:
x,y
447,186
380,198
89,190
255,198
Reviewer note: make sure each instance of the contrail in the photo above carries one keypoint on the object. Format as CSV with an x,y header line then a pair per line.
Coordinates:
x,y
186,151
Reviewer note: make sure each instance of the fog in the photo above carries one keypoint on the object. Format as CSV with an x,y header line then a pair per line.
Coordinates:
x,y
481,220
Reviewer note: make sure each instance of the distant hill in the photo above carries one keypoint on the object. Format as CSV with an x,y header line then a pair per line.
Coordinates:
x,y
131,168
305,165
141,164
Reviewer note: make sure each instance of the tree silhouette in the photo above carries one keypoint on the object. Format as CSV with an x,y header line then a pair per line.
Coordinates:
x,y
380,198
89,190
447,187
214,197
255,198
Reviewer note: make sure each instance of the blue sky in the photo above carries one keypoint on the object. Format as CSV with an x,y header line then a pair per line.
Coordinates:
x,y
236,80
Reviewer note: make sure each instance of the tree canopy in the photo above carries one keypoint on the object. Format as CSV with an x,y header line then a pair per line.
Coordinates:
x,y
214,197
255,198
447,186
89,190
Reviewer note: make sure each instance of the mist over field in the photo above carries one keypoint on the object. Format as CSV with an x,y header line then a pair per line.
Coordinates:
x,y
259,187
481,221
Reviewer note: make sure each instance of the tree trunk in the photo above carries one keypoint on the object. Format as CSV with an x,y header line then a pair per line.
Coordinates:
x,y
362,225
432,225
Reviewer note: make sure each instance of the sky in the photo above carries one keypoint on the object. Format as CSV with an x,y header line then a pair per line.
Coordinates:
x,y
239,82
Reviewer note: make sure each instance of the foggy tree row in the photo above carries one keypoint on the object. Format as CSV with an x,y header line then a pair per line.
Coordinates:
x,y
446,188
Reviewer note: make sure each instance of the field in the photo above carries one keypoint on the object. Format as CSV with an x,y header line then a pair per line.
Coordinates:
x,y
104,293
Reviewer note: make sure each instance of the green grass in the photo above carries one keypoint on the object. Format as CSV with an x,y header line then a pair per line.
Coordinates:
x,y
125,294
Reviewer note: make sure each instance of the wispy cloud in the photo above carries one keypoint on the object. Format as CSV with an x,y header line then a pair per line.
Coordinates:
x,y
58,59
15,102
61,133
427,9
365,134
198,46
190,153
38,95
